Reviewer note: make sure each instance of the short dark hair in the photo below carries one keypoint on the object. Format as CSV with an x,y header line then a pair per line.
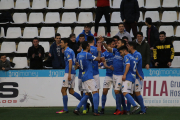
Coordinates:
x,y
125,37
72,35
57,34
87,25
116,37
66,41
121,23
148,20
36,38
140,33
162,32
108,42
85,44
133,44
3,54
81,35
123,41
123,48
90,39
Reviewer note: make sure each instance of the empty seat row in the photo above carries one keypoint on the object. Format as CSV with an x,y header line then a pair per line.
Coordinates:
x,y
67,17
72,4
87,17
10,47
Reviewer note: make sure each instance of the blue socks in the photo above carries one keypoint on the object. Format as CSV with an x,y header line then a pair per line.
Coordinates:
x,y
128,106
85,103
141,103
118,101
103,101
123,102
77,96
65,101
83,100
96,102
130,99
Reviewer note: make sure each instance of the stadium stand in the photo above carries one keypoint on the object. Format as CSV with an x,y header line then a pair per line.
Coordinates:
x,y
45,45
44,18
20,62
23,47
8,47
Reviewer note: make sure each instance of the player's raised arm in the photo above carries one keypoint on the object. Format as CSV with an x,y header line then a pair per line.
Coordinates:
x,y
105,45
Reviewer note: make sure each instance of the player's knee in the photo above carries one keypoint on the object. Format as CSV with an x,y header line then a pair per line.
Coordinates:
x,y
137,93
116,91
63,91
71,91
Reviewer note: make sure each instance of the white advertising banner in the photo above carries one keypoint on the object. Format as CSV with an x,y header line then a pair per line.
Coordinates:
x,y
42,88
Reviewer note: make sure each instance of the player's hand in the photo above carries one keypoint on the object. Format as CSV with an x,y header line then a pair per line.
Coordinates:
x,y
147,66
124,78
124,20
62,50
98,47
151,48
169,64
111,67
69,77
101,39
39,54
3,68
140,78
79,50
50,55
77,65
33,55
156,64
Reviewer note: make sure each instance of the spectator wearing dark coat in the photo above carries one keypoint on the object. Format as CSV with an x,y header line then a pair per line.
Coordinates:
x,y
4,63
86,32
163,52
56,53
73,45
151,33
36,55
143,47
130,14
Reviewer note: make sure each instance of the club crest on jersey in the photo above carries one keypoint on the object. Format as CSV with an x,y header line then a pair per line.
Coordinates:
x,y
68,56
137,58
126,60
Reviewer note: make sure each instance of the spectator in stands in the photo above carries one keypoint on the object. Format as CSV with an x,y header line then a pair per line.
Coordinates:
x,y
73,45
86,32
151,33
103,8
116,38
130,14
57,53
4,63
36,55
122,32
143,47
163,52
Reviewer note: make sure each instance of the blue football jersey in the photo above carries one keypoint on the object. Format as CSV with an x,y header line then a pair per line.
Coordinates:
x,y
109,61
138,58
117,63
69,55
80,70
85,60
131,75
94,52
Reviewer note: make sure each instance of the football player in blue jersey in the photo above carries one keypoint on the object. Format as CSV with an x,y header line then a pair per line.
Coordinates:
x,y
138,83
129,76
117,75
85,60
107,58
69,76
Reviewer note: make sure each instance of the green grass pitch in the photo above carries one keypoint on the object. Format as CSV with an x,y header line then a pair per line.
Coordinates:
x,y
153,113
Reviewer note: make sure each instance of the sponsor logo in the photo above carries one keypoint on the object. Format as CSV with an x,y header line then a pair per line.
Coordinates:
x,y
137,85
119,84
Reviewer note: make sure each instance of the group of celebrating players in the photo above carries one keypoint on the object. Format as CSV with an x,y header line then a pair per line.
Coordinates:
x,y
123,70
